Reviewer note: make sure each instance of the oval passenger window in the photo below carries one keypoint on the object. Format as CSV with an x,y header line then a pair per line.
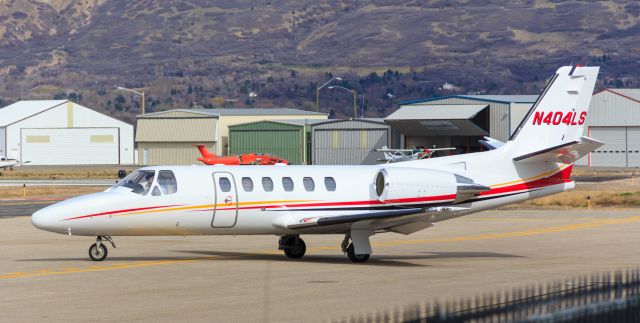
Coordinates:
x,y
247,184
330,184
287,184
267,184
308,184
225,184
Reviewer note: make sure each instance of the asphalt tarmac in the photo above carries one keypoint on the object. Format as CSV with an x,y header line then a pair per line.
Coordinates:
x,y
23,207
58,182
48,277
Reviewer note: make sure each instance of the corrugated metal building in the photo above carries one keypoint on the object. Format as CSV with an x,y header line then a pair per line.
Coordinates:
x,y
349,142
614,118
61,132
287,139
167,137
458,120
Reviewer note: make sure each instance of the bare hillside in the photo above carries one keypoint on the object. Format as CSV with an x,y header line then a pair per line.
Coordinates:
x,y
216,53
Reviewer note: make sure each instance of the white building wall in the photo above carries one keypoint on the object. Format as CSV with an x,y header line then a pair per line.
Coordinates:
x,y
53,118
79,117
85,117
517,113
2,137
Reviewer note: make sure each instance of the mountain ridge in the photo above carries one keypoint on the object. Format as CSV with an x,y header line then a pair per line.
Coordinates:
x,y
280,51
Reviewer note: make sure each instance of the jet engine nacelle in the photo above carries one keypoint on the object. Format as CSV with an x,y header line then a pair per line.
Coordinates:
x,y
395,185
402,185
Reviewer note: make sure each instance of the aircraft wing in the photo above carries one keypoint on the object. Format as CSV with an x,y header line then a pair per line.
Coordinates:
x,y
441,149
389,150
566,153
301,221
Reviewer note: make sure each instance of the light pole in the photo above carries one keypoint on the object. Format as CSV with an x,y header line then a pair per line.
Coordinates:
x,y
355,94
362,106
141,94
323,85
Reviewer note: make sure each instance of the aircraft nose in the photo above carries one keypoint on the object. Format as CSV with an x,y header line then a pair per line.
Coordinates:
x,y
46,219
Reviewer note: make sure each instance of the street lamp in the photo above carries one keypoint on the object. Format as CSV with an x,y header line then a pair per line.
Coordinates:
x,y
141,94
355,111
323,85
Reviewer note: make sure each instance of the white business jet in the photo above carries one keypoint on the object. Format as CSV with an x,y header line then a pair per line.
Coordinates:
x,y
354,201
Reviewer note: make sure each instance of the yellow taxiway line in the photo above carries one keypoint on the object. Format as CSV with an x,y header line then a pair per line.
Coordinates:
x,y
477,237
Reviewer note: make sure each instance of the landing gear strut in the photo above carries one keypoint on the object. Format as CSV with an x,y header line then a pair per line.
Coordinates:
x,y
349,249
293,246
98,251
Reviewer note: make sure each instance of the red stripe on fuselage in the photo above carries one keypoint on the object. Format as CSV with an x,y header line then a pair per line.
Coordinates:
x,y
122,211
349,203
560,177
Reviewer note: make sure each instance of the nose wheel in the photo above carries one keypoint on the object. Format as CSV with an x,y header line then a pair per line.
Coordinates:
x,y
98,251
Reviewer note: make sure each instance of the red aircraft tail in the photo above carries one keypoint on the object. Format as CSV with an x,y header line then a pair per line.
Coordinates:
x,y
204,152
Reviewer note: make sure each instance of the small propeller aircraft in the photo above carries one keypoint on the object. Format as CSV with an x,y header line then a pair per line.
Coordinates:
x,y
354,201
10,162
210,158
401,155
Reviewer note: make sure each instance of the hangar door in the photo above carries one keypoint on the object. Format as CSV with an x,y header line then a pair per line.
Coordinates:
x,y
348,147
70,146
621,146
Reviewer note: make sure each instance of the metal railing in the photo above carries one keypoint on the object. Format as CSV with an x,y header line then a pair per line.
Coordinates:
x,y
605,297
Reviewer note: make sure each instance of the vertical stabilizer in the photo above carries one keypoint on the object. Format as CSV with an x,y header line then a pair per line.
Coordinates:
x,y
558,117
204,152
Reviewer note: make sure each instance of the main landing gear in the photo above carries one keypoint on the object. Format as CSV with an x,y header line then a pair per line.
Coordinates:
x,y
355,244
293,246
98,251
350,250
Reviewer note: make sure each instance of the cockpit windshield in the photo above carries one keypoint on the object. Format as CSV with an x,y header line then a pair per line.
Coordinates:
x,y
139,181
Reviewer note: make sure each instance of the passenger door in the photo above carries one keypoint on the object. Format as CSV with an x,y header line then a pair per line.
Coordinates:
x,y
225,209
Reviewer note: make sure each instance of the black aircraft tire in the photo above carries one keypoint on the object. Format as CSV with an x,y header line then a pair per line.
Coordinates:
x,y
98,254
297,249
351,253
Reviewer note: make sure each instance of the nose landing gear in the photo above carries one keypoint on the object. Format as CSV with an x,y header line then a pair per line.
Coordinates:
x,y
98,251
293,246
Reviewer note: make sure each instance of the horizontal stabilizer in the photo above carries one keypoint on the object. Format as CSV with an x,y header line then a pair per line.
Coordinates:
x,y
566,153
490,143
350,218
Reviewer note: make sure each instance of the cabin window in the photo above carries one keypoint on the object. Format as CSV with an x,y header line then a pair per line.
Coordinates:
x,y
225,184
308,183
156,191
330,184
287,184
267,184
247,184
167,181
139,181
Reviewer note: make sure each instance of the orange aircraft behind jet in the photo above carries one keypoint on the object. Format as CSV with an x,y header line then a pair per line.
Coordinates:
x,y
210,158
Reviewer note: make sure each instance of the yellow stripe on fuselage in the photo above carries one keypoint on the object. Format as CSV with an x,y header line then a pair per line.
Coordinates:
x,y
207,206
